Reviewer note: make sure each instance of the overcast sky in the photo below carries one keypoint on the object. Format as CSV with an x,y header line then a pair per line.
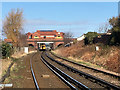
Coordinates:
x,y
75,17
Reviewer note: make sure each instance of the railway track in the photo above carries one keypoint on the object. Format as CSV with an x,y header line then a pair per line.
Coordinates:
x,y
68,80
96,70
109,77
79,76
72,77
71,82
43,77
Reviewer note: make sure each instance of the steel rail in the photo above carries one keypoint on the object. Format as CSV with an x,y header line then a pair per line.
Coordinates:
x,y
70,85
35,81
116,76
66,78
108,85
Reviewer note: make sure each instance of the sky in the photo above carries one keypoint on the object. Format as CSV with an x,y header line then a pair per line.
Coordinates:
x,y
75,17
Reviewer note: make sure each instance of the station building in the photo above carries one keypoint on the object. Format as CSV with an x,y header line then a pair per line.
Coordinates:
x,y
44,36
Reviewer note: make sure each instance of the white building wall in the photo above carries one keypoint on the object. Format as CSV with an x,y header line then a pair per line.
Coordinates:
x,y
81,38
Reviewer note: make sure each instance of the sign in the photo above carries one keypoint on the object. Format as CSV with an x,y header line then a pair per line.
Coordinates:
x,y
25,49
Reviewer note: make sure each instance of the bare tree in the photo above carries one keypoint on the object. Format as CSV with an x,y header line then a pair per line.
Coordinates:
x,y
68,36
104,27
23,40
12,26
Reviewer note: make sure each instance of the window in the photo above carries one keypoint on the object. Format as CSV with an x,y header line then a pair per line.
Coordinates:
x,y
36,37
44,36
58,36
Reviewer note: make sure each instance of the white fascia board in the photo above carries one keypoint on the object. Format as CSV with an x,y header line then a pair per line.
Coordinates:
x,y
47,36
45,42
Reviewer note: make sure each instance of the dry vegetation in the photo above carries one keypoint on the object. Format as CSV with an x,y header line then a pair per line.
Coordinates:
x,y
4,66
107,57
16,56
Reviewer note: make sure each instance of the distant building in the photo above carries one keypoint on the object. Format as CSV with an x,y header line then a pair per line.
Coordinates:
x,y
81,38
101,38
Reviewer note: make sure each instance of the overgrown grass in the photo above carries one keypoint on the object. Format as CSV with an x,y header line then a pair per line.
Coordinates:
x,y
79,62
7,80
12,70
15,69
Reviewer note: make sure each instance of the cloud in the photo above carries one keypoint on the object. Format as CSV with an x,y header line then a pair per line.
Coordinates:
x,y
53,22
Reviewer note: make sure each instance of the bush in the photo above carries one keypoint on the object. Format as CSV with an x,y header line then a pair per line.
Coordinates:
x,y
6,50
115,38
90,37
